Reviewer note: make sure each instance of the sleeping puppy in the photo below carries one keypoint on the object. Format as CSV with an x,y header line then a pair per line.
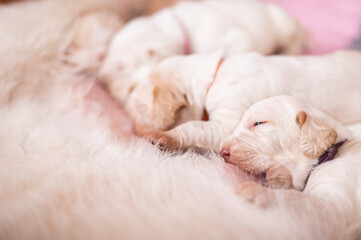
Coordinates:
x,y
225,87
309,149
188,27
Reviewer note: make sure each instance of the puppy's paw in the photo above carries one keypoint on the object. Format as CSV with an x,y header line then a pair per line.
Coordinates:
x,y
162,140
255,193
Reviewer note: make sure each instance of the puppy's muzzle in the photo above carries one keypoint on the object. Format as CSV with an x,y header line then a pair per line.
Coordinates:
x,y
226,154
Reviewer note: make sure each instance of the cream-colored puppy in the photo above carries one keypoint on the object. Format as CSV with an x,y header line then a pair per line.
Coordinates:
x,y
316,153
193,27
63,175
189,85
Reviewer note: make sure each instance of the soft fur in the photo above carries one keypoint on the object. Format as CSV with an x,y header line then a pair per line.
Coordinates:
x,y
64,175
46,31
192,27
180,88
294,136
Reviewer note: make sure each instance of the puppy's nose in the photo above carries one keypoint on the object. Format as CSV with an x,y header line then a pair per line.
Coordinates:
x,y
225,153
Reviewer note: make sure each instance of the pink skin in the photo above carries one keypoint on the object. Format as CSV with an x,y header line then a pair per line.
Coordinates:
x,y
119,121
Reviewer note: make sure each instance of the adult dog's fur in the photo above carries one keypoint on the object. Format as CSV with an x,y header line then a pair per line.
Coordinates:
x,y
181,86
282,137
64,175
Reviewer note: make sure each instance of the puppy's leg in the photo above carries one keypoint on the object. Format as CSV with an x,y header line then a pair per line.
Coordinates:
x,y
198,134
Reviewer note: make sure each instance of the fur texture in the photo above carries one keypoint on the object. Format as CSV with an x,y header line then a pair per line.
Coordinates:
x,y
293,136
180,84
191,27
65,175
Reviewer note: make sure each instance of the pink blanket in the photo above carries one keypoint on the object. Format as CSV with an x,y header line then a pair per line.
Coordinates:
x,y
331,24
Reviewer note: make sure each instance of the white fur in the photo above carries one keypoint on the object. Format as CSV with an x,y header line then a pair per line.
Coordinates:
x,y
330,83
355,129
64,175
333,186
238,26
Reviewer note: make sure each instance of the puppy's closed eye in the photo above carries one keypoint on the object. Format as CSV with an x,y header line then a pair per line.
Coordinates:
x,y
258,123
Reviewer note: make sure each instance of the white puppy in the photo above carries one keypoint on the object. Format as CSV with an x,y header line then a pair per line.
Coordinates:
x,y
64,176
193,27
185,86
313,151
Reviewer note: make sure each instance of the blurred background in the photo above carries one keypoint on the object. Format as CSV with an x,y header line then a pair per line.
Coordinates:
x,y
331,24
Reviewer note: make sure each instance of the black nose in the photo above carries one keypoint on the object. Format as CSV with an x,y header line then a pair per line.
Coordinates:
x,y
225,153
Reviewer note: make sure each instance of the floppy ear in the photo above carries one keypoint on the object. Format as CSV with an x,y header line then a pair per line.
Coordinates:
x,y
316,135
167,100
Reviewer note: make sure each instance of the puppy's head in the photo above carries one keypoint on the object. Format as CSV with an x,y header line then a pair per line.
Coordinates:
x,y
179,88
130,58
277,133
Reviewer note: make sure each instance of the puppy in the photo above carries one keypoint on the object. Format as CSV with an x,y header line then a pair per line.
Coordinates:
x,y
226,87
187,27
315,153
63,175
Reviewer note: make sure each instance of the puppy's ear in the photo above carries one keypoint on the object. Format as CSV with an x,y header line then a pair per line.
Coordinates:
x,y
167,100
316,135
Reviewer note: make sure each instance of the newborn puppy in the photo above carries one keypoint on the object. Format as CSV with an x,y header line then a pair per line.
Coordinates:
x,y
282,134
192,27
317,153
225,88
